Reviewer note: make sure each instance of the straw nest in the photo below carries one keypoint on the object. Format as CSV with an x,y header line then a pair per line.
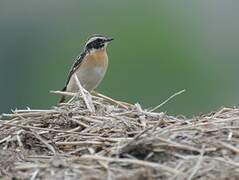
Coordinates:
x,y
95,137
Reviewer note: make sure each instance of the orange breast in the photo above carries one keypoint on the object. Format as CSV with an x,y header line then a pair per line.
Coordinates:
x,y
98,58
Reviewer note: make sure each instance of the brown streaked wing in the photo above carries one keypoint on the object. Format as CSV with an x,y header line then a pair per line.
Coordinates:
x,y
76,65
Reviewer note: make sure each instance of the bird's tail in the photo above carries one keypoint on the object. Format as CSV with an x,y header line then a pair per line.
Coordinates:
x,y
63,98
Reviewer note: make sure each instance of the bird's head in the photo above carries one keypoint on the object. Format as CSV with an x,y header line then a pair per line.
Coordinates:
x,y
97,42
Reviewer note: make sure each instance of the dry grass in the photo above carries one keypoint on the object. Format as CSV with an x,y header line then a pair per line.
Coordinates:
x,y
108,139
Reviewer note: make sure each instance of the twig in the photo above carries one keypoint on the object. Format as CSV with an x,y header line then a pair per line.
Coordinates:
x,y
48,129
87,98
88,119
226,161
229,146
34,175
197,166
176,145
50,147
82,143
19,139
64,93
28,114
193,125
171,97
5,139
149,113
34,110
112,100
30,166
132,161
80,123
229,138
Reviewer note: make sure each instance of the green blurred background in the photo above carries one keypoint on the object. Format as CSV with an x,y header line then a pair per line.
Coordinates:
x,y
160,47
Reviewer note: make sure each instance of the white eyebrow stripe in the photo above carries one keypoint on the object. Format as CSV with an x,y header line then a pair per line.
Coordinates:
x,y
91,40
94,38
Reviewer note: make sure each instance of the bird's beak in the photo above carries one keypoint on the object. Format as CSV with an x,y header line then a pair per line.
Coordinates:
x,y
108,40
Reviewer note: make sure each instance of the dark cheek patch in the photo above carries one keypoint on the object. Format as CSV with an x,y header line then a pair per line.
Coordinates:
x,y
95,45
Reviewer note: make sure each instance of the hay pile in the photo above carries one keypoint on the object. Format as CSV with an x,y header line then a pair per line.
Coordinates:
x,y
116,140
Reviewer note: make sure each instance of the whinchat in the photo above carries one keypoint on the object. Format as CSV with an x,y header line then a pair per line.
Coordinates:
x,y
90,66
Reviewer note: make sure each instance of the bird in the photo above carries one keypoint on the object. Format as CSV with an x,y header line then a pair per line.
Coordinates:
x,y
90,66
